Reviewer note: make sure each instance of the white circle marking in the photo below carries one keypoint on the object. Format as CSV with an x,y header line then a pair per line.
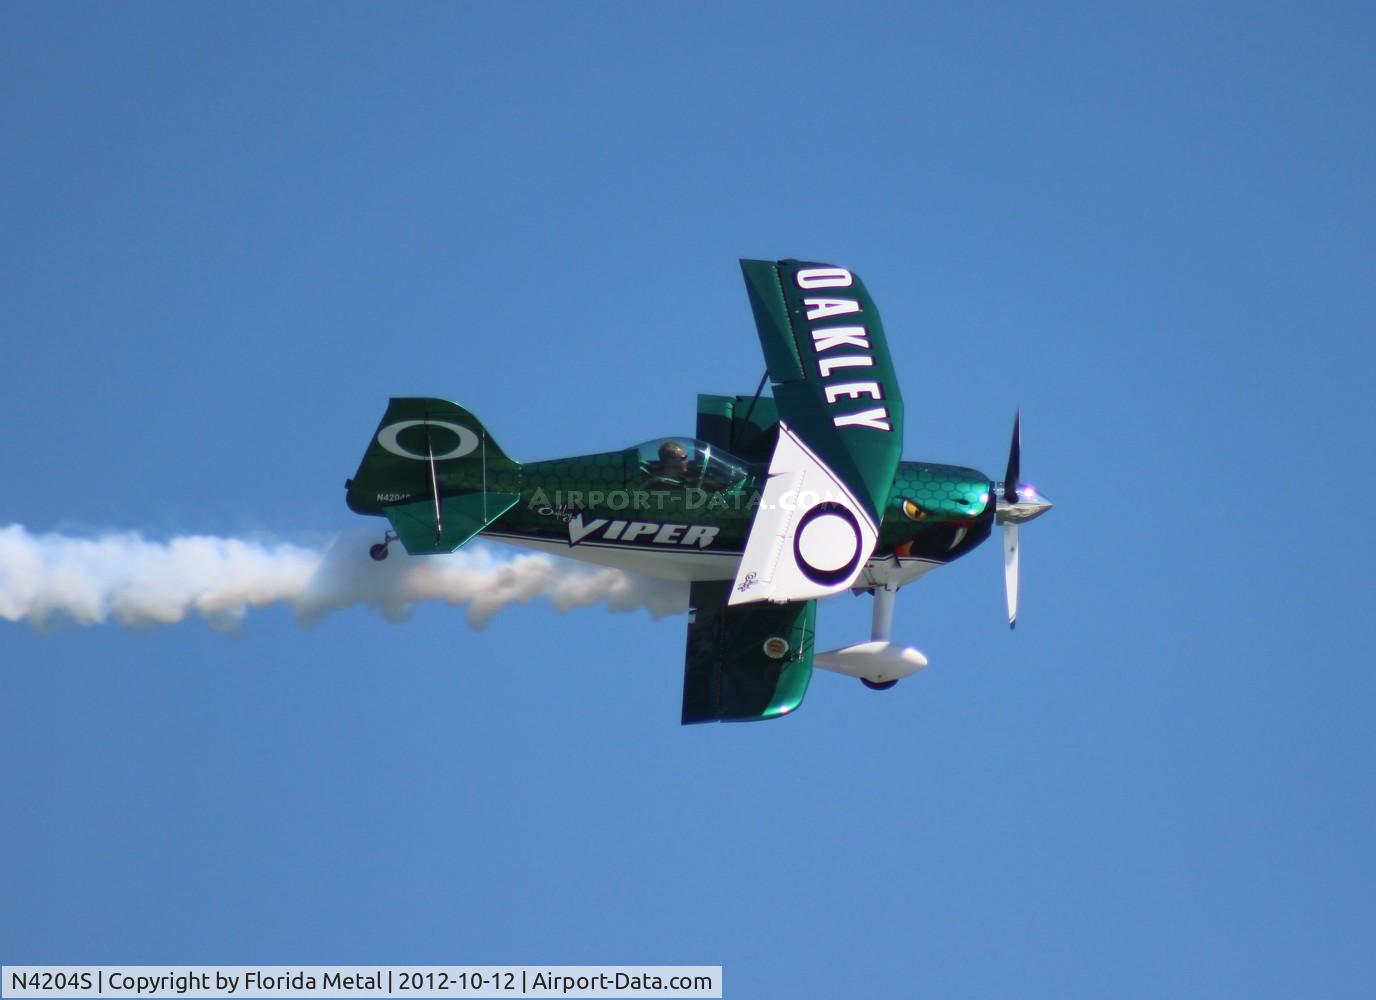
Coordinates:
x,y
828,542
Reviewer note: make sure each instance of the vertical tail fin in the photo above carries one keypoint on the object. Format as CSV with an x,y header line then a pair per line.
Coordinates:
x,y
432,469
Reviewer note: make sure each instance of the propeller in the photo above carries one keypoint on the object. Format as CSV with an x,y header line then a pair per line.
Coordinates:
x,y
1010,478
1017,502
1010,571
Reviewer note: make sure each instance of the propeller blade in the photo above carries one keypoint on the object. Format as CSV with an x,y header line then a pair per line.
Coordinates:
x,y
1014,473
1010,571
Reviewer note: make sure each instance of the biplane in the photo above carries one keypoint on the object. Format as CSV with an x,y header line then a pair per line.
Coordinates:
x,y
773,504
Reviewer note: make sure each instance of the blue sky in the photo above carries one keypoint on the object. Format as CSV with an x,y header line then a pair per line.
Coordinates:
x,y
229,233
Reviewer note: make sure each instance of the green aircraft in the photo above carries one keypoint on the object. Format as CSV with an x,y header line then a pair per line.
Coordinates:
x,y
774,503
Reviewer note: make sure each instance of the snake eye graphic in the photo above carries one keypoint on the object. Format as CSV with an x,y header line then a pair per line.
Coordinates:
x,y
913,512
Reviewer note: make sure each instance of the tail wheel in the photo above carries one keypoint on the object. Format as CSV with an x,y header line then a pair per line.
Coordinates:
x,y
378,552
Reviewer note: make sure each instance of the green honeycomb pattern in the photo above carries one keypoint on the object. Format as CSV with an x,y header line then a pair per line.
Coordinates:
x,y
944,493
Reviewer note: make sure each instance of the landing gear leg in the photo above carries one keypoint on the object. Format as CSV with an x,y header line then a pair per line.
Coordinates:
x,y
881,625
379,551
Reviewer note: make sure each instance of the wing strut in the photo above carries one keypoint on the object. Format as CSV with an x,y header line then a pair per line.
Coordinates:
x,y
751,409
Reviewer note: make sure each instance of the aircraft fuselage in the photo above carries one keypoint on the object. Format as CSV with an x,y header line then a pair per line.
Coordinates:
x,y
608,509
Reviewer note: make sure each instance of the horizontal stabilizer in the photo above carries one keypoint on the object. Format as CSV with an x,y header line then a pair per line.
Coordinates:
x,y
461,517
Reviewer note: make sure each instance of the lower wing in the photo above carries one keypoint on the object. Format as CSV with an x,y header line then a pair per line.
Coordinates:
x,y
745,663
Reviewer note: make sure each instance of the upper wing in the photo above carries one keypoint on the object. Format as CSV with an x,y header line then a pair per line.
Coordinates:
x,y
840,433
829,364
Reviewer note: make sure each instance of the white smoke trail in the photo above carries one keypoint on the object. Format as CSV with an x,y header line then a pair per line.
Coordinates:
x,y
50,579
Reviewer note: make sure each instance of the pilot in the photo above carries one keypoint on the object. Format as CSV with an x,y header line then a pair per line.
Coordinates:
x,y
673,461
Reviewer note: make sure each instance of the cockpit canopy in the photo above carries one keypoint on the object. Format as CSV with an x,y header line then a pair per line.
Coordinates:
x,y
688,463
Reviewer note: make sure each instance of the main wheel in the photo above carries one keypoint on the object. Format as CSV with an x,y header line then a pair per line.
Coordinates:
x,y
378,552
878,685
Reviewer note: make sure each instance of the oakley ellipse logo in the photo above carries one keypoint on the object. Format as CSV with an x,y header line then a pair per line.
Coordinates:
x,y
465,442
